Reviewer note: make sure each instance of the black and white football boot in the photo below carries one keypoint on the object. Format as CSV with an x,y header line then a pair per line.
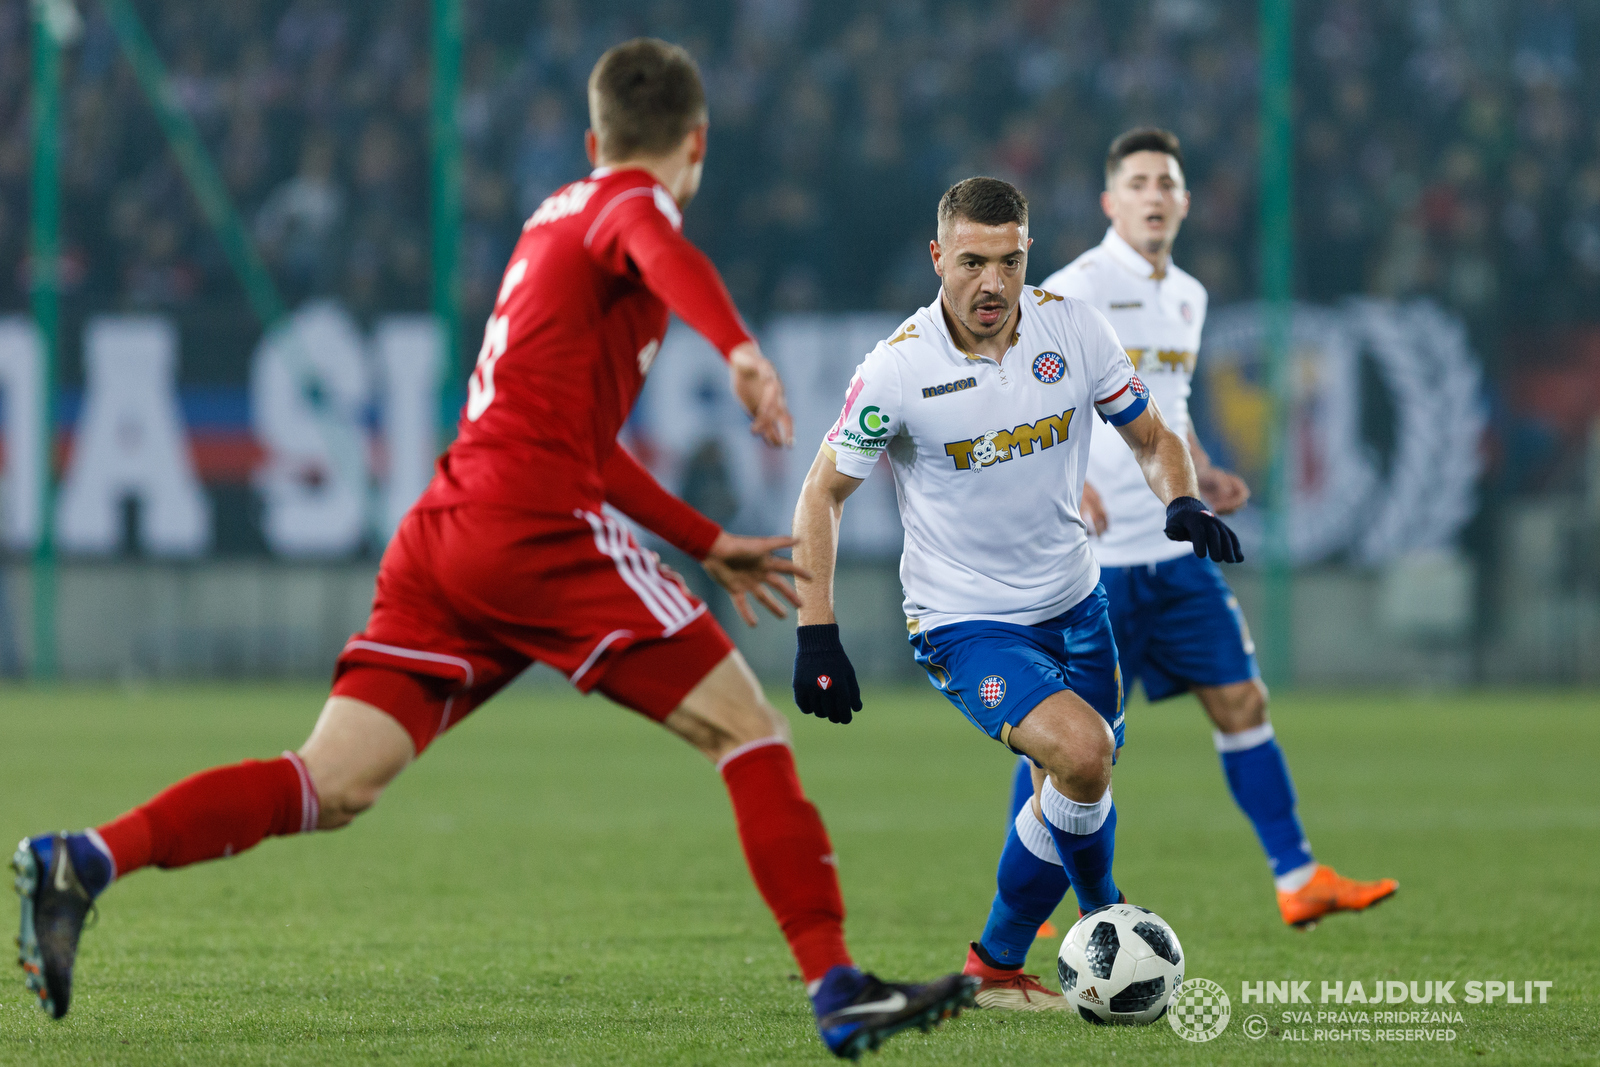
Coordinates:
x,y
857,1012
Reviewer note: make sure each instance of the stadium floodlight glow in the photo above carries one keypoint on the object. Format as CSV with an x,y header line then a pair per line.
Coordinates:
x,y
60,19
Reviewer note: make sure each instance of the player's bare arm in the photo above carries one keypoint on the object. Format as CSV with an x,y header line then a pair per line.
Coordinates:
x,y
1224,490
1169,471
816,536
824,682
1162,456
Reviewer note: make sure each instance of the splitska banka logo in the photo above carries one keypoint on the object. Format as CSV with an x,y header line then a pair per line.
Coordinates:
x,y
873,422
998,446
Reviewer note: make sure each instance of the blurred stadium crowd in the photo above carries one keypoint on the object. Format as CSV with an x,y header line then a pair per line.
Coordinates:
x,y
1446,147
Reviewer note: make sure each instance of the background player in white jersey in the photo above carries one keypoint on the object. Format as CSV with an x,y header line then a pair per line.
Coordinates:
x,y
1177,624
983,402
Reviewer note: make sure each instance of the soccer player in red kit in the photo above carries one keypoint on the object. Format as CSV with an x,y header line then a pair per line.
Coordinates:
x,y
510,557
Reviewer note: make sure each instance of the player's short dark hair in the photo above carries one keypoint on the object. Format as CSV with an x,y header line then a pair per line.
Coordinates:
x,y
986,201
645,96
1143,139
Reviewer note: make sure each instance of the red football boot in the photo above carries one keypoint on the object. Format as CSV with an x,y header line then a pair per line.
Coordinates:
x,y
1008,989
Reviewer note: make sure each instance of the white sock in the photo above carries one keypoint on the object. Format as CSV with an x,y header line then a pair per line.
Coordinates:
x,y
1067,814
1295,879
1244,740
1036,836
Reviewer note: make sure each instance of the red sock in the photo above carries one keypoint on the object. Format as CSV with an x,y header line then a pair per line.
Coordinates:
x,y
788,852
215,813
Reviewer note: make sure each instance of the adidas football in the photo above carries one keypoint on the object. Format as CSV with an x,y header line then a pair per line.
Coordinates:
x,y
1120,964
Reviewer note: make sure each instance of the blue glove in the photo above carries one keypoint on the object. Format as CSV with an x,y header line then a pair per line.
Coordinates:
x,y
824,682
1189,519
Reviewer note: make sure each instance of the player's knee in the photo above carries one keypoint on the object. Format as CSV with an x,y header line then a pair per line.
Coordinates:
x,y
768,721
1235,708
1080,761
726,710
1253,706
756,722
1090,760
720,732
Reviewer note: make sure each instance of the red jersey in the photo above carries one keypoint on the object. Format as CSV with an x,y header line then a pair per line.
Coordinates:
x,y
580,316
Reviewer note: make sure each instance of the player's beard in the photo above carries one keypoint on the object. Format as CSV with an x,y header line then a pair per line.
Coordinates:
x,y
968,318
972,322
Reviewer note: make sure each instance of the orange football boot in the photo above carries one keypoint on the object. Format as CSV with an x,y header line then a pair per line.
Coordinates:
x,y
1009,989
1328,892
1048,929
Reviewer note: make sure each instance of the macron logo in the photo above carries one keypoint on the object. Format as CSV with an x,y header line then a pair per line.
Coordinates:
x,y
950,387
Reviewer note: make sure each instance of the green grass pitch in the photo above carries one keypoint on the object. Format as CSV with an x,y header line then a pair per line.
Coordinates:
x,y
558,882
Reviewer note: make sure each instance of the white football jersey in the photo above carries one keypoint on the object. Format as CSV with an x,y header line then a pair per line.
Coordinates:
x,y
988,457
1158,321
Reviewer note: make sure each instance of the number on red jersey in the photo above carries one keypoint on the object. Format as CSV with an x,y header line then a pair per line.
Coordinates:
x,y
496,335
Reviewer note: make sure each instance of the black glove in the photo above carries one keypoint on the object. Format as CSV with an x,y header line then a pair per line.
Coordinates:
x,y
824,682
1189,519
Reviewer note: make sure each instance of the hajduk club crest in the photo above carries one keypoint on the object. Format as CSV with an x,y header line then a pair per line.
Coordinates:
x,y
992,690
1048,367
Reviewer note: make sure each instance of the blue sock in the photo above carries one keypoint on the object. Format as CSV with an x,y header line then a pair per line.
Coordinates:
x,y
1030,888
1086,856
1021,786
92,864
1259,780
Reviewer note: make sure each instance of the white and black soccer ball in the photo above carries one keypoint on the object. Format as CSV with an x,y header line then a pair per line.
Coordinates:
x,y
1120,964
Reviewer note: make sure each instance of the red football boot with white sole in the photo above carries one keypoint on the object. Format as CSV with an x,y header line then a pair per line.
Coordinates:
x,y
1008,989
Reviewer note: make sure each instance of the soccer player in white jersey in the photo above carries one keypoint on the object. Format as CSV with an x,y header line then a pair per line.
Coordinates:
x,y
1177,625
984,403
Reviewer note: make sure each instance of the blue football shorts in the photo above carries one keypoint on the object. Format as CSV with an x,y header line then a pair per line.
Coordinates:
x,y
997,672
1178,625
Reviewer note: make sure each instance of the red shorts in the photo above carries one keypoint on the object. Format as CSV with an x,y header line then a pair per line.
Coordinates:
x,y
467,597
